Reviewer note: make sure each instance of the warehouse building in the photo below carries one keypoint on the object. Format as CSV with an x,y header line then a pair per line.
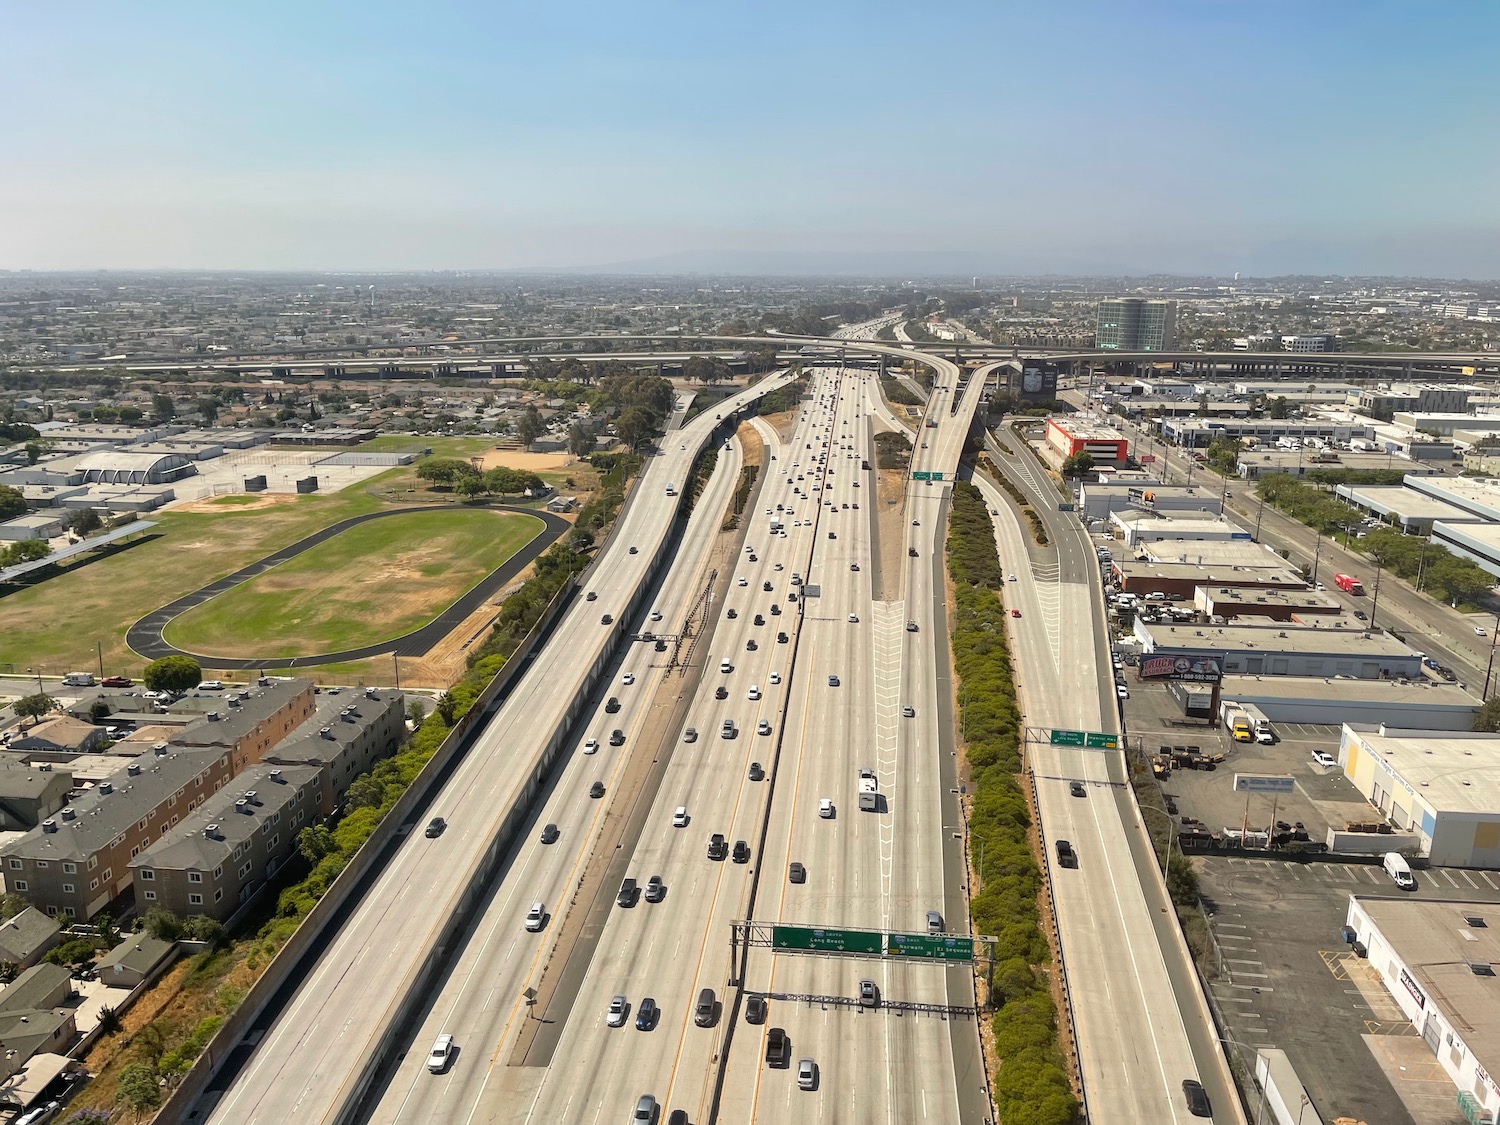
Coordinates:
x,y
1234,602
1137,527
1410,704
1287,650
1181,579
1100,501
1412,511
1443,786
1106,445
1438,960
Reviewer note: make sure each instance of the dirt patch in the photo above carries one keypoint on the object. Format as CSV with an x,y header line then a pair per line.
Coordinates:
x,y
750,442
529,462
890,492
783,423
242,503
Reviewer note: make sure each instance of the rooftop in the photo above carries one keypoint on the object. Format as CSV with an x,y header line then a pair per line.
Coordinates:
x,y
229,818
1086,431
1451,771
21,781
1438,945
1312,638
240,712
1401,501
1238,553
1213,572
1224,599
1350,690
342,717
104,812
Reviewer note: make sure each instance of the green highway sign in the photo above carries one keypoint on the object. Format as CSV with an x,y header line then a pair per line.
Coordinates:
x,y
1092,740
828,941
1065,507
923,475
940,947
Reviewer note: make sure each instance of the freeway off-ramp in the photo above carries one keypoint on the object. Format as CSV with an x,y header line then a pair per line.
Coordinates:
x,y
527,1009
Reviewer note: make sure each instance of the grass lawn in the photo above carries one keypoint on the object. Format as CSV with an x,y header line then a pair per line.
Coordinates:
x,y
464,447
371,583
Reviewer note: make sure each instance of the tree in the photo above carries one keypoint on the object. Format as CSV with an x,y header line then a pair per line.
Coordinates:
x,y
580,439
416,711
12,503
162,924
210,931
139,1088
445,470
316,843
635,426
163,409
173,673
27,550
1279,408
98,711
447,708
529,426
209,408
86,521
130,415
1078,464
1488,718
34,706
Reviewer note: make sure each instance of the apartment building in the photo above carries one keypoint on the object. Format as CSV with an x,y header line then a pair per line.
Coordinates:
x,y
217,858
78,862
248,723
347,735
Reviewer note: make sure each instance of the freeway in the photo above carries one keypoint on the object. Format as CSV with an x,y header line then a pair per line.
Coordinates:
x,y
317,1057
1140,1021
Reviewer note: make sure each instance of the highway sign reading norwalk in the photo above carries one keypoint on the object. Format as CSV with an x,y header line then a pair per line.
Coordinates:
x,y
926,476
829,941
1090,739
941,947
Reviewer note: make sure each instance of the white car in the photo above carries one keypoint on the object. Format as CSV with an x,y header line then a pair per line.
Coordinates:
x,y
763,727
825,808
619,1008
743,581
1122,691
536,917
656,615
854,619
680,817
754,692
775,678
441,1053
591,746
1327,761
1478,631
628,678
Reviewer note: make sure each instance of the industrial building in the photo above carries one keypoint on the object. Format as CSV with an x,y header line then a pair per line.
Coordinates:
x,y
1192,433
1287,650
1099,501
1443,786
1438,960
1136,527
1234,602
1135,324
1407,398
1104,444
1179,579
1412,704
1412,511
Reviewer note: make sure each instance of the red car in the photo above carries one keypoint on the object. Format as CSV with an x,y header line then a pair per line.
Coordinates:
x,y
117,681
1015,613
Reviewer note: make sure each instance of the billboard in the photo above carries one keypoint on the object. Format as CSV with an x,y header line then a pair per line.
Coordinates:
x,y
1264,783
1200,669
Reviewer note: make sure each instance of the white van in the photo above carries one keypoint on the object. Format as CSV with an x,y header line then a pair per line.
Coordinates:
x,y
79,679
1396,867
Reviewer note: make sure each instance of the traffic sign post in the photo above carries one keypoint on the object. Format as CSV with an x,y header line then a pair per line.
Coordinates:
x,y
1089,740
825,940
940,947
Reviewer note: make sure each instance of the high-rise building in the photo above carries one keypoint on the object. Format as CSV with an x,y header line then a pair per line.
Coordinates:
x,y
1135,324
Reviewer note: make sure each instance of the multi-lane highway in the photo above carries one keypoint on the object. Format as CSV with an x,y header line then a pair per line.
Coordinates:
x,y
311,1065
1137,1009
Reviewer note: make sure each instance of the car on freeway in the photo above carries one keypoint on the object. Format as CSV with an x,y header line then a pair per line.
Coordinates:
x,y
1479,631
680,817
741,852
854,619
628,678
725,666
727,729
617,737
690,735
611,705
1197,1100
1066,856
596,790
536,917
618,1010
591,746
721,692
763,727
550,834
1122,691
607,619
869,995
1326,760
1012,578
634,551
718,847
854,566
592,595
833,681
656,615
731,613
656,890
760,619
750,645
775,678
908,712
1015,613
755,1010
757,772
435,827
742,581
825,808
645,1015
441,1054
766,587
807,1074
754,692
778,566
797,873
1076,789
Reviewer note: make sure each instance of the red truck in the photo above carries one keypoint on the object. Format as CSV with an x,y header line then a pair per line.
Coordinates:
x,y
1349,584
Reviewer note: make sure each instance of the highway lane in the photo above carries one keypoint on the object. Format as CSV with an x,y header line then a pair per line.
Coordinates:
x,y
599,1072
1138,1013
481,1000
311,1061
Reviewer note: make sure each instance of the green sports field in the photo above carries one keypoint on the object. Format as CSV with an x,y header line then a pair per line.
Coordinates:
x,y
371,583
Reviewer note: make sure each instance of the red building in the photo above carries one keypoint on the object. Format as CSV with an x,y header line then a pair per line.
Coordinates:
x,y
1105,445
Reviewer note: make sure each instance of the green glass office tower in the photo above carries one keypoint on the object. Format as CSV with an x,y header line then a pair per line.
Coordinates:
x,y
1134,324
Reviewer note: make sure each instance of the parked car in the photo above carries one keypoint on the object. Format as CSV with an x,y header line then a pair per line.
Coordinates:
x,y
117,681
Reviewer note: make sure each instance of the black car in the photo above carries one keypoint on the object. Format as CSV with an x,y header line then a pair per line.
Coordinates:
x,y
741,852
766,587
775,610
612,705
781,638
755,1009
718,847
645,1015
1066,856
617,737
721,693
607,619
596,790
1197,1100
550,834
435,827
759,620
1076,788
797,873
750,645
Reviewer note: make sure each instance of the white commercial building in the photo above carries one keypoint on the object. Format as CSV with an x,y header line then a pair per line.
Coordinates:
x,y
1330,701
1137,526
1438,960
1443,786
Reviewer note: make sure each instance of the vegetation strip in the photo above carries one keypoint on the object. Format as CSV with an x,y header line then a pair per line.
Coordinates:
x,y
1031,1085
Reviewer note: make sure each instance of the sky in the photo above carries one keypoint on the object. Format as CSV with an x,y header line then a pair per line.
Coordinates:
x,y
1261,136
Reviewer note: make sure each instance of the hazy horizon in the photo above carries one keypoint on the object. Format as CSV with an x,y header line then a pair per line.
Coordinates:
x,y
839,139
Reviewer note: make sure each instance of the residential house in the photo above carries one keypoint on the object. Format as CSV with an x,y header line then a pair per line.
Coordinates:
x,y
26,937
249,723
29,794
134,960
349,734
60,734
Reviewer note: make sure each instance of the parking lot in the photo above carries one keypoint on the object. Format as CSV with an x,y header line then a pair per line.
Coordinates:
x,y
1284,978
